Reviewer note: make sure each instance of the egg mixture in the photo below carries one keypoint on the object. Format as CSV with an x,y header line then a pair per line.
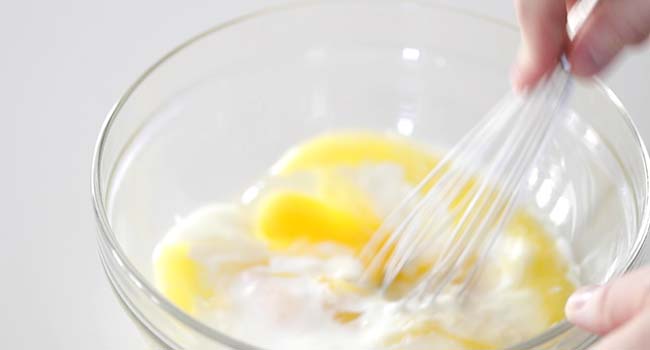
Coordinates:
x,y
281,269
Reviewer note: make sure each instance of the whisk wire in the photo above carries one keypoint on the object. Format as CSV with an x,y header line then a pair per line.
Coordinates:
x,y
501,205
450,209
564,81
474,218
379,246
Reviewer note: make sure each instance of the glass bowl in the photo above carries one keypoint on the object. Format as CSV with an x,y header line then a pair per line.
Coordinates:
x,y
211,117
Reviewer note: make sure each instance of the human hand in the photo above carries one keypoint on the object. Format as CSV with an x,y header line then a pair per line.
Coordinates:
x,y
612,25
619,311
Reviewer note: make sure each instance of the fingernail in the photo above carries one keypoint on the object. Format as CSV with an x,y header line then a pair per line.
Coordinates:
x,y
579,304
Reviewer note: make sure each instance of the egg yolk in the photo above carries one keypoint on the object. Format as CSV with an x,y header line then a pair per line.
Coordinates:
x,y
179,277
340,213
358,148
289,217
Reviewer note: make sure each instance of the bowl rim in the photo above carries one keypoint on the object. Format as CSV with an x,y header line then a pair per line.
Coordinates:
x,y
108,238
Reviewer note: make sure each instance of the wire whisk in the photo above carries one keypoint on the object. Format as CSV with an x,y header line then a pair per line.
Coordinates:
x,y
455,210
453,217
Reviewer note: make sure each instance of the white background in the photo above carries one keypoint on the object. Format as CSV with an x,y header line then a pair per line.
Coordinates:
x,y
62,65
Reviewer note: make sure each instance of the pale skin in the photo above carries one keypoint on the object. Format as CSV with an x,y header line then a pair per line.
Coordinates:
x,y
612,26
618,311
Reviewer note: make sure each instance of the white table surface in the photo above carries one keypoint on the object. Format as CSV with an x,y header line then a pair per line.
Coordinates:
x,y
62,65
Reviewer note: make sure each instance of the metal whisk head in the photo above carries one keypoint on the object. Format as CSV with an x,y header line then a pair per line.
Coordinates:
x,y
454,216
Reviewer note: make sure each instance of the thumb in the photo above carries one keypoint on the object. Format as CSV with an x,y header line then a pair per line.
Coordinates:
x,y
601,309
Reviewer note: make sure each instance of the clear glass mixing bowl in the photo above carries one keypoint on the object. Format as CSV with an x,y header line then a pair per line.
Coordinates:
x,y
211,117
